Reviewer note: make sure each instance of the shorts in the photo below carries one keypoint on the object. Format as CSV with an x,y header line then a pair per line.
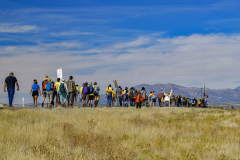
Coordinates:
x,y
154,100
44,93
35,93
71,96
49,96
96,94
90,97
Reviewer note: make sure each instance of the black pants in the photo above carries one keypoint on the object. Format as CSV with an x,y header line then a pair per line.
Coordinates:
x,y
139,105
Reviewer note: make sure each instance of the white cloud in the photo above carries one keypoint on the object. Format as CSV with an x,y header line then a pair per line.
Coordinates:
x,y
196,59
71,33
13,28
140,41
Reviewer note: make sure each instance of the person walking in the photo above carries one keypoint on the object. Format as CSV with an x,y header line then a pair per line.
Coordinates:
x,y
131,96
62,92
10,82
126,97
159,97
49,89
56,85
86,94
44,92
139,100
82,95
119,95
76,94
71,90
153,98
114,97
96,94
91,94
35,90
109,95
144,94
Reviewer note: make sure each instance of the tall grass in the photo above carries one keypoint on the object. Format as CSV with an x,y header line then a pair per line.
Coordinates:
x,y
119,133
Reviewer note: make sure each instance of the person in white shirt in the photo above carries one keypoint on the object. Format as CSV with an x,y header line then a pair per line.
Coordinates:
x,y
167,99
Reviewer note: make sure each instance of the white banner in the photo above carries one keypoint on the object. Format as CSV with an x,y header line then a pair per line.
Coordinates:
x,y
59,73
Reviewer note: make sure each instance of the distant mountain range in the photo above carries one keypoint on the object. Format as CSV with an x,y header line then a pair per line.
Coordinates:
x,y
215,95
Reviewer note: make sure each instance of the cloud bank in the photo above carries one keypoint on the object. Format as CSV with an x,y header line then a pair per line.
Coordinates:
x,y
185,60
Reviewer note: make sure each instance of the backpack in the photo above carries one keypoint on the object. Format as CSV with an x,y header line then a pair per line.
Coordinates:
x,y
49,86
90,89
153,97
143,93
44,84
71,86
131,95
85,90
126,95
62,88
96,89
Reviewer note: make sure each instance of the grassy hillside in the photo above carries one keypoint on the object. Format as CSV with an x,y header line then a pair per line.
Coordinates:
x,y
119,133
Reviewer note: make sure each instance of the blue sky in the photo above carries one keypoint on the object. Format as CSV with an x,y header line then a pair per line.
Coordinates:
x,y
188,42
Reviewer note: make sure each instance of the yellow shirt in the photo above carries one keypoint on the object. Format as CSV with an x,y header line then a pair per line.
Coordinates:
x,y
113,94
108,90
81,89
76,89
56,85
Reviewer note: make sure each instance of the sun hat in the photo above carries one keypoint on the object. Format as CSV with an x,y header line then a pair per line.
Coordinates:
x,y
63,80
46,77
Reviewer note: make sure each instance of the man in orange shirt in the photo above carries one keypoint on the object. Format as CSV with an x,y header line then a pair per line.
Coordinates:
x,y
139,100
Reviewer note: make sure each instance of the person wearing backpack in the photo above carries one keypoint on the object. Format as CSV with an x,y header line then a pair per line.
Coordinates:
x,y
71,90
139,100
35,90
109,95
131,96
144,94
85,94
62,92
44,92
49,89
126,97
153,98
91,94
96,94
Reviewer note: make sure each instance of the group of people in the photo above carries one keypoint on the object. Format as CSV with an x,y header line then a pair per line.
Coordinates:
x,y
67,93
134,97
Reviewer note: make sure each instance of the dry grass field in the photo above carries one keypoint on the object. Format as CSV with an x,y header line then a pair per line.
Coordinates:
x,y
119,133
